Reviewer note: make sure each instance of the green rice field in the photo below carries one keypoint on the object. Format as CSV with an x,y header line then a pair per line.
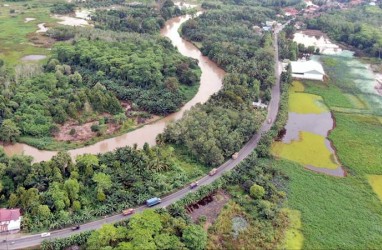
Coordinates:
x,y
332,212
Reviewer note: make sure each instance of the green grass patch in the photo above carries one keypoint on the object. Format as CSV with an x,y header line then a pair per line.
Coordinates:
x,y
294,238
356,101
296,86
189,164
336,213
376,183
190,91
358,140
14,30
303,103
331,94
309,150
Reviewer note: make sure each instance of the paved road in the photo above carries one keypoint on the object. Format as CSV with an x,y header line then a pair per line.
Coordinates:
x,y
273,107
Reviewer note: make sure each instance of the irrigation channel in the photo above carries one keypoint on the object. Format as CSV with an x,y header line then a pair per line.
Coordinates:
x,y
210,83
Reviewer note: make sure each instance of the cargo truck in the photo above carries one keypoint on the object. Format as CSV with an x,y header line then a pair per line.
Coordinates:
x,y
153,201
235,155
212,172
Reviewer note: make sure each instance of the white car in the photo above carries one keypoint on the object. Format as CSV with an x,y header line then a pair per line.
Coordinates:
x,y
45,235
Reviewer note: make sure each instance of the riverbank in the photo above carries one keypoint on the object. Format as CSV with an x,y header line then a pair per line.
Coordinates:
x,y
54,144
210,83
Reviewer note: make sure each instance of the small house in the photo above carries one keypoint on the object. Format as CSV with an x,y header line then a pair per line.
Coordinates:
x,y
10,219
311,70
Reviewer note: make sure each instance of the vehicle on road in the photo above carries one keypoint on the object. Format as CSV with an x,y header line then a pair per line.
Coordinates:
x,y
235,155
76,227
269,121
45,235
194,185
128,211
212,172
153,201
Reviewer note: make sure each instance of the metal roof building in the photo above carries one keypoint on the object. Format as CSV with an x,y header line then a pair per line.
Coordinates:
x,y
307,70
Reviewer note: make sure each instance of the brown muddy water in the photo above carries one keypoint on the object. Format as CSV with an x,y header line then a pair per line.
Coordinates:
x,y
210,83
318,124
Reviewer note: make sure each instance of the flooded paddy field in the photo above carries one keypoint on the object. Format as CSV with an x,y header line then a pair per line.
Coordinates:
x,y
305,141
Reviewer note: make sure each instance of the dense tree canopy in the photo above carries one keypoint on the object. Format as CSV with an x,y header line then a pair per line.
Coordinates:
x,y
34,106
217,129
136,70
59,192
139,18
358,27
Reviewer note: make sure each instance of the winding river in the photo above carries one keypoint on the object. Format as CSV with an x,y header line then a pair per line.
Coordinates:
x,y
210,83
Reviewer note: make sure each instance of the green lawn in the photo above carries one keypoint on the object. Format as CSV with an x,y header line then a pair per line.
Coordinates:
x,y
336,213
14,30
358,139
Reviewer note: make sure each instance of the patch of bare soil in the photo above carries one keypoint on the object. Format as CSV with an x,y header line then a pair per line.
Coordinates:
x,y
316,33
210,207
82,132
41,40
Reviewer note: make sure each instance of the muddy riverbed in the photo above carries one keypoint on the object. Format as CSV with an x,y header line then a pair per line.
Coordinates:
x,y
210,83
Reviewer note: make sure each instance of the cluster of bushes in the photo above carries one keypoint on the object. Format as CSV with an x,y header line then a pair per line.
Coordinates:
x,y
147,70
147,230
34,106
357,27
62,8
140,18
215,130
58,192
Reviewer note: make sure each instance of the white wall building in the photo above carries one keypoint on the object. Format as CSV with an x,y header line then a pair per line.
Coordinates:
x,y
311,70
10,219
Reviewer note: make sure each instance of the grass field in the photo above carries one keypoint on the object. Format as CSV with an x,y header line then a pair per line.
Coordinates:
x,y
14,30
339,213
336,213
358,140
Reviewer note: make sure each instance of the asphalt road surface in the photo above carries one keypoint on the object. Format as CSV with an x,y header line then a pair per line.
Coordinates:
x,y
273,107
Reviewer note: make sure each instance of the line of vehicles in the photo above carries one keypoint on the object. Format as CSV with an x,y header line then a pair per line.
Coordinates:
x,y
150,202
155,200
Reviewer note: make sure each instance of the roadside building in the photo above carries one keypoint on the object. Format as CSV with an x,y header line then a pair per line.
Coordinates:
x,y
10,220
311,70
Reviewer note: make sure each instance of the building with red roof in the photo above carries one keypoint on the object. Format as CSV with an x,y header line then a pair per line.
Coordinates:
x,y
10,219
